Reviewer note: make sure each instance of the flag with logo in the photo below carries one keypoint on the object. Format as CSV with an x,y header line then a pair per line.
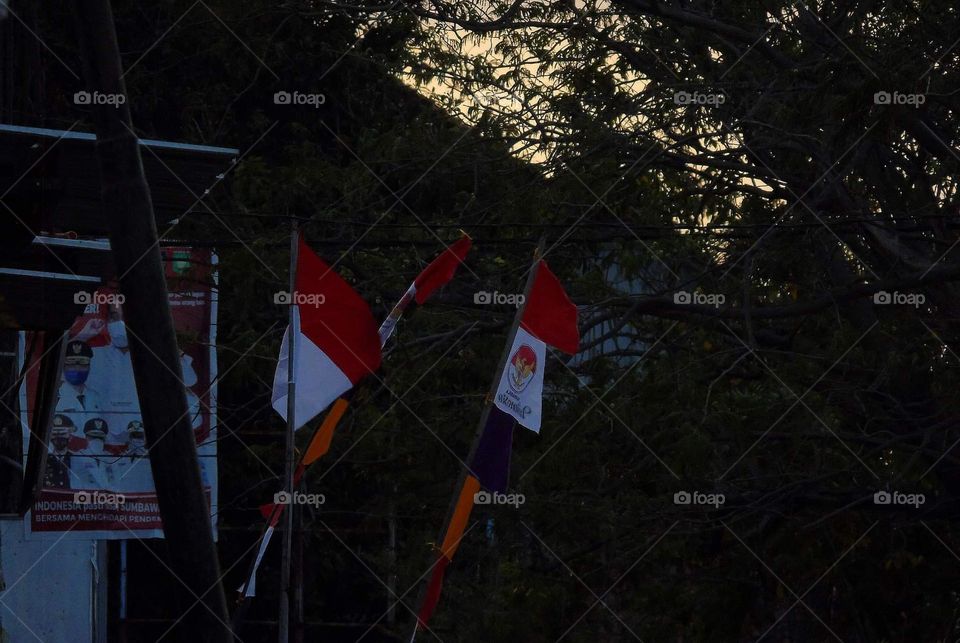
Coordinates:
x,y
548,317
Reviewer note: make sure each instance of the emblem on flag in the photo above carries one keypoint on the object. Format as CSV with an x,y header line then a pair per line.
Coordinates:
x,y
521,381
523,366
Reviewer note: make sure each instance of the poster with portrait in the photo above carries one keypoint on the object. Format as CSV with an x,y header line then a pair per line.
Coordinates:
x,y
98,482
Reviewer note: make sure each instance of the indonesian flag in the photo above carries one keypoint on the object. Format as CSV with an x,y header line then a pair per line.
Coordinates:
x,y
548,318
336,343
436,274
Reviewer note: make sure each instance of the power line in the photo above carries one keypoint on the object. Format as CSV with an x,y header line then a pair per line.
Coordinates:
x,y
609,224
628,234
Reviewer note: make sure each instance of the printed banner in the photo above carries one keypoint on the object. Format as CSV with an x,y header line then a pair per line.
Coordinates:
x,y
520,391
98,482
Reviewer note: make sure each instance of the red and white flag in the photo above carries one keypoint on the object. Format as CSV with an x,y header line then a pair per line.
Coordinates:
x,y
336,341
435,275
549,317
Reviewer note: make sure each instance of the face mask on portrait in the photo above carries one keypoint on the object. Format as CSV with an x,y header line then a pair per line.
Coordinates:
x,y
95,445
136,443
76,376
118,333
60,444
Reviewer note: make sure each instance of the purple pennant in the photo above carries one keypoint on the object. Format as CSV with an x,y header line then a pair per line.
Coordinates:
x,y
491,461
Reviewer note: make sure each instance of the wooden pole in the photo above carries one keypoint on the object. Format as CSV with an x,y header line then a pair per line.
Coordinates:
x,y
48,382
484,416
154,352
283,629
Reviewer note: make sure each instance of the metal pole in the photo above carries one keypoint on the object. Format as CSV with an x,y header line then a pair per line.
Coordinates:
x,y
392,552
123,591
101,574
385,332
297,572
293,332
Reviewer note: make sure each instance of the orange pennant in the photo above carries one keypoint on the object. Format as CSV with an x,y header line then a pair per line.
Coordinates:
x,y
321,441
461,514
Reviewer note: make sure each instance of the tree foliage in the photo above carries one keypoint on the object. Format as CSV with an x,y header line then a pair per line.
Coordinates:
x,y
726,149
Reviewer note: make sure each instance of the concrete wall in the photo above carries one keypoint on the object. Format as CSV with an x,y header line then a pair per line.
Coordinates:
x,y
52,590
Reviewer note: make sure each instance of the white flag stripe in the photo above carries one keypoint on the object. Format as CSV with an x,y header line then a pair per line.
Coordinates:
x,y
251,588
520,392
390,323
319,381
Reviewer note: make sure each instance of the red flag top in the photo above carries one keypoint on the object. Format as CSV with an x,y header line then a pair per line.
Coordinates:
x,y
343,327
549,314
441,269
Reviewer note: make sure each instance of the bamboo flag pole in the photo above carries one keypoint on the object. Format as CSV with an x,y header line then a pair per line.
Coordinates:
x,y
320,435
283,629
484,417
